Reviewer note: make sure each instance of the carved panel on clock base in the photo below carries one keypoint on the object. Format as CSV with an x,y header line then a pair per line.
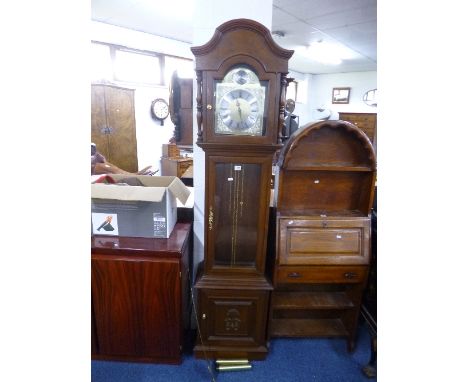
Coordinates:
x,y
232,323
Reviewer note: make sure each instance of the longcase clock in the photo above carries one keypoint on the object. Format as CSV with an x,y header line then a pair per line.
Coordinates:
x,y
241,88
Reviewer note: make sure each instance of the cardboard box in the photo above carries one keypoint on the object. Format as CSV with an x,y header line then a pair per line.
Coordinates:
x,y
137,211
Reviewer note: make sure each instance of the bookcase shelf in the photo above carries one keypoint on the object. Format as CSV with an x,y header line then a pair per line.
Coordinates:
x,y
311,300
324,185
296,327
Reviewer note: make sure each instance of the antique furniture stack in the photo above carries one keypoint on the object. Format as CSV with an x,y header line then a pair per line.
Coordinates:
x,y
323,196
241,78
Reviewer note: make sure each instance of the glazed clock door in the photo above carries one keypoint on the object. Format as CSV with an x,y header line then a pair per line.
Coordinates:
x,y
237,212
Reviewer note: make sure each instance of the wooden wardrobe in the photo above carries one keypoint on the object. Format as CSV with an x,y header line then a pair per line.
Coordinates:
x,y
113,127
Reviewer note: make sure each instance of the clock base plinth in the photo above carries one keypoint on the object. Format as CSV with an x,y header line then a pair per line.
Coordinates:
x,y
223,352
233,316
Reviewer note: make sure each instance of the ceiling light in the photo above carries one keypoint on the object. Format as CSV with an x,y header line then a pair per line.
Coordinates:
x,y
328,52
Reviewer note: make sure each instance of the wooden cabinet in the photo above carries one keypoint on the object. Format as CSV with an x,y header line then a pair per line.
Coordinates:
x,y
175,166
367,122
324,191
140,296
113,128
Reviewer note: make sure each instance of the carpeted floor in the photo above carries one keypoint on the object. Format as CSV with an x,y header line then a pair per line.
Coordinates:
x,y
289,360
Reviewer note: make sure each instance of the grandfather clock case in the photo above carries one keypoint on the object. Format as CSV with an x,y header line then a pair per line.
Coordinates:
x,y
241,86
323,196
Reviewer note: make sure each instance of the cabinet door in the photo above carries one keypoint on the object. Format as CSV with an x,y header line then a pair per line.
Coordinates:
x,y
317,241
233,317
99,120
137,307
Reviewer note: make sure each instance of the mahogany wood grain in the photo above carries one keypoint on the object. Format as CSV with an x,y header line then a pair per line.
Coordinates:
x,y
135,315
320,274
172,247
140,296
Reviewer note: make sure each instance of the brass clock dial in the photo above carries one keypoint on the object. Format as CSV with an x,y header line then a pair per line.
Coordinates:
x,y
238,110
240,104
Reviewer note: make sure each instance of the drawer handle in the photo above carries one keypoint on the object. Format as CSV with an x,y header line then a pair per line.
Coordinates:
x,y
294,275
350,275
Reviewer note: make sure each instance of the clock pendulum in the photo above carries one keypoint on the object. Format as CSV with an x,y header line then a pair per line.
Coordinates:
x,y
236,203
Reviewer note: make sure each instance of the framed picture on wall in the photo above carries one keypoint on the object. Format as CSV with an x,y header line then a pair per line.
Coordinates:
x,y
341,95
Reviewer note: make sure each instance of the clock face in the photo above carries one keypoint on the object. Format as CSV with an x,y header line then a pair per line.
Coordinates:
x,y
160,109
240,103
238,110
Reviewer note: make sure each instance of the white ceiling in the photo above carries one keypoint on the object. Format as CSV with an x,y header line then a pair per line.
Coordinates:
x,y
346,23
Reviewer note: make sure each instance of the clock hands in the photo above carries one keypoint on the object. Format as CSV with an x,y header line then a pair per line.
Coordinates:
x,y
239,108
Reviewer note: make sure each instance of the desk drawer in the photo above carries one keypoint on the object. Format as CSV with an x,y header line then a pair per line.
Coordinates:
x,y
320,274
318,241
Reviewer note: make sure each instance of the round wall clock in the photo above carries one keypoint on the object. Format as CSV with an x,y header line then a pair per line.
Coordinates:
x,y
159,110
370,98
